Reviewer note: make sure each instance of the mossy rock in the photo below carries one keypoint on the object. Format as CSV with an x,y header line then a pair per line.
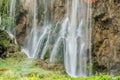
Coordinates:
x,y
4,38
8,43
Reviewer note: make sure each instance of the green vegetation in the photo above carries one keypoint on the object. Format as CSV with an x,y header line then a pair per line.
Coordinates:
x,y
18,67
4,8
5,19
5,39
11,70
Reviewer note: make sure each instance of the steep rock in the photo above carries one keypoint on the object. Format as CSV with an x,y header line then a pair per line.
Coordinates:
x,y
106,33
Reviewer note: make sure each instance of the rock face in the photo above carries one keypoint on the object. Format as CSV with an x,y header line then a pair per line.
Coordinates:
x,y
21,28
22,20
57,9
106,33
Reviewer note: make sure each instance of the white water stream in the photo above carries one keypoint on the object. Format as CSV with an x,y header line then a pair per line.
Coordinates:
x,y
74,33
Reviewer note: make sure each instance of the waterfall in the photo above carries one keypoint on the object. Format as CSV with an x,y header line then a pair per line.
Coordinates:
x,y
73,33
11,19
34,43
11,16
32,39
76,40
12,8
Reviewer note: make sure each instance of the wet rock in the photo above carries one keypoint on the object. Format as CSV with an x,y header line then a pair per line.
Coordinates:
x,y
57,9
24,15
21,27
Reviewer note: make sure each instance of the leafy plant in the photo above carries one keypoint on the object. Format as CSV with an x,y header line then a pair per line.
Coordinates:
x,y
5,20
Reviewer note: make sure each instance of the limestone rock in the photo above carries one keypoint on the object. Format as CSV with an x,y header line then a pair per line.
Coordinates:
x,y
106,33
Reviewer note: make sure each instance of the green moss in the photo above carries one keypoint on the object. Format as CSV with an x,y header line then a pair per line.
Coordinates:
x,y
4,38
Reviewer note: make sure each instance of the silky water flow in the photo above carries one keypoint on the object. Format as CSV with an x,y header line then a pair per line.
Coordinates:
x,y
70,39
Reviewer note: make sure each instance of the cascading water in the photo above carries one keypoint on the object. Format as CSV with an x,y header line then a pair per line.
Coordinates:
x,y
11,15
73,33
76,40
11,18
34,42
12,8
32,38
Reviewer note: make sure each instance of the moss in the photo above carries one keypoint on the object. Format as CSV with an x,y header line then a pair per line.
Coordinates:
x,y
4,38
